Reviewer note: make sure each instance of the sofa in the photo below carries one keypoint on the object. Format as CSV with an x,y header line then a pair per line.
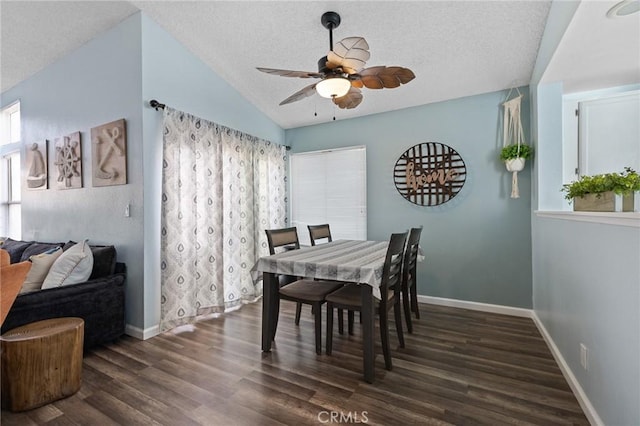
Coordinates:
x,y
98,300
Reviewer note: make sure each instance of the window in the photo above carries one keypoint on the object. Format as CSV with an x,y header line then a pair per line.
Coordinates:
x,y
10,181
330,187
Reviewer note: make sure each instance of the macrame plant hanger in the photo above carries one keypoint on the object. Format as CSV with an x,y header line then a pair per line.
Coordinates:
x,y
513,135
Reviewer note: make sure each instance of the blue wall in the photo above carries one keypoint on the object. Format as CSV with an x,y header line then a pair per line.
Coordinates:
x,y
111,77
587,291
586,275
96,84
478,245
586,282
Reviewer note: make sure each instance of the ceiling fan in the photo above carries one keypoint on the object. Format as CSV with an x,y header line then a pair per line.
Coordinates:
x,y
342,71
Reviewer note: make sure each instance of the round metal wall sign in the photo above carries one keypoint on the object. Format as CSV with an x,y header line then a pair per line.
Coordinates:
x,y
429,174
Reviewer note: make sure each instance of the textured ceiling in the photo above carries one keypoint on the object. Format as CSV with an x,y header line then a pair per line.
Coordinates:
x,y
34,34
455,48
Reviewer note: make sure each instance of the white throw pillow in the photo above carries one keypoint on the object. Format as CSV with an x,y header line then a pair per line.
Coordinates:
x,y
72,267
40,266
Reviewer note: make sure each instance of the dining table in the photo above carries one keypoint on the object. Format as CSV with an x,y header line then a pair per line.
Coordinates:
x,y
351,261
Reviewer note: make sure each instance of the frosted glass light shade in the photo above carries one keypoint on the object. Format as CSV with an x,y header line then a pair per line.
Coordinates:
x,y
333,86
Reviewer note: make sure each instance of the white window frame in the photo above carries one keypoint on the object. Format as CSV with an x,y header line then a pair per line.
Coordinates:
x,y
10,159
338,230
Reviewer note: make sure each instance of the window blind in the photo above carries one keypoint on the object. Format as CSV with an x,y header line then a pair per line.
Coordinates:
x,y
330,187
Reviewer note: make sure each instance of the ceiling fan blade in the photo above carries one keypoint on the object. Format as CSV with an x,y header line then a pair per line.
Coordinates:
x,y
356,82
351,100
385,77
300,94
350,53
291,73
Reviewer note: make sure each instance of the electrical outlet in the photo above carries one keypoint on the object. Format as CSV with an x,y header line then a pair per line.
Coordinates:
x,y
584,356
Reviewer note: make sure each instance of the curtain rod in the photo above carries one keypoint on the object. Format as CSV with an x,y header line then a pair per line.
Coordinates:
x,y
158,106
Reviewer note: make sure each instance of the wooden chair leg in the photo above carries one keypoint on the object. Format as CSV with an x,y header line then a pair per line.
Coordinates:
x,y
398,317
340,322
318,325
384,338
350,317
359,318
414,299
298,312
329,328
407,308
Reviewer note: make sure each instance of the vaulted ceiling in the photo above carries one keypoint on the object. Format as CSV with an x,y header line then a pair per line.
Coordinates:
x,y
455,48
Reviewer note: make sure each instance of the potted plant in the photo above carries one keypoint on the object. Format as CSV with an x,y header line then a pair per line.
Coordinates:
x,y
598,192
514,156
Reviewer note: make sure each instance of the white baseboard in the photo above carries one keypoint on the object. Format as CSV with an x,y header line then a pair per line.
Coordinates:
x,y
141,334
582,398
476,306
579,393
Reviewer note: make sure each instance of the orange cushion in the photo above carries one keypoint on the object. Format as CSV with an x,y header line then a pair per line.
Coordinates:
x,y
5,258
11,278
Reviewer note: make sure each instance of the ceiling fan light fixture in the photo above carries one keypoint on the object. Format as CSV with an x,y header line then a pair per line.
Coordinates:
x,y
333,87
342,73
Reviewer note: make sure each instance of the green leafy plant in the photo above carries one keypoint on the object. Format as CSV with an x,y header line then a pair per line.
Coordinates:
x,y
623,183
510,152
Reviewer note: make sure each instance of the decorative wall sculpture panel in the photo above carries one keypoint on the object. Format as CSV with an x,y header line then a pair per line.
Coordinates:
x,y
37,176
109,154
68,161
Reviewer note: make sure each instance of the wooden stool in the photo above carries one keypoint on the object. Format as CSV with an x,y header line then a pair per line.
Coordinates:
x,y
41,362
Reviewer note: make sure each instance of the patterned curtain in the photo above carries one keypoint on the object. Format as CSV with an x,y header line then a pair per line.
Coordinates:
x,y
220,190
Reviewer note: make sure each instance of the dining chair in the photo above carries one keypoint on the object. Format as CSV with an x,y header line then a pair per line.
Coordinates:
x,y
319,232
349,297
284,239
323,232
409,283
301,291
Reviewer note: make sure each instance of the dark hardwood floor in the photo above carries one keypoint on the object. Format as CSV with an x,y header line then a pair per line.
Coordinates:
x,y
459,367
